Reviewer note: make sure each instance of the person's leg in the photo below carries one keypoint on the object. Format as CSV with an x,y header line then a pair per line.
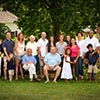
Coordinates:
x,y
41,69
10,75
30,73
73,66
80,68
5,68
46,73
21,71
95,73
90,72
37,64
58,70
32,68
17,67
76,70
26,67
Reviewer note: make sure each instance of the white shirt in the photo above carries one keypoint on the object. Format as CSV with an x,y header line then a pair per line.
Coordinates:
x,y
42,44
94,41
82,46
32,46
21,47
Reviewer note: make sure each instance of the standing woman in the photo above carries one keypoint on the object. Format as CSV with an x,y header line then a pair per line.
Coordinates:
x,y
74,58
51,43
19,52
61,44
81,43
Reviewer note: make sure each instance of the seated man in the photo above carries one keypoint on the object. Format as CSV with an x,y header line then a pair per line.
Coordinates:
x,y
52,61
29,63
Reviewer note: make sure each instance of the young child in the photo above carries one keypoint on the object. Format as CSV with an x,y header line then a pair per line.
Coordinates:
x,y
92,59
10,67
66,70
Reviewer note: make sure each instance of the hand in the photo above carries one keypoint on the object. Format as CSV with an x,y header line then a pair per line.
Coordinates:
x,y
8,58
75,61
72,62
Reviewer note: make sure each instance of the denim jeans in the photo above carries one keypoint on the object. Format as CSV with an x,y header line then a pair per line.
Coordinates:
x,y
81,72
38,63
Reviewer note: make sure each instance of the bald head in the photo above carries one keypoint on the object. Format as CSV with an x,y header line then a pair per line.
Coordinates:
x,y
53,50
43,35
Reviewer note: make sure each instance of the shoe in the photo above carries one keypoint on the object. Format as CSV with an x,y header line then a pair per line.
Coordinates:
x,y
82,77
76,78
54,81
31,80
38,79
47,81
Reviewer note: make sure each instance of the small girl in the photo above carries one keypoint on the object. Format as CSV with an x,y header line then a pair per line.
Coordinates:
x,y
66,70
10,66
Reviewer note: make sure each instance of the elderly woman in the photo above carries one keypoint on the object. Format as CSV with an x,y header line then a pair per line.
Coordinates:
x,y
33,45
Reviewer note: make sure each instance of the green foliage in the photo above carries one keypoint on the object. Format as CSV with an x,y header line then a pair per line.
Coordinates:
x,y
3,30
54,16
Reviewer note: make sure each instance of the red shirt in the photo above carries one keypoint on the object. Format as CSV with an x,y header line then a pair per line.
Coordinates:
x,y
75,51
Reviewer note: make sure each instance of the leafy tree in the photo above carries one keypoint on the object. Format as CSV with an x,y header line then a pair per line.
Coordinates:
x,y
54,16
3,30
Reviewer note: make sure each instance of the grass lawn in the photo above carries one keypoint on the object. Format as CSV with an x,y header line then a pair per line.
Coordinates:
x,y
25,90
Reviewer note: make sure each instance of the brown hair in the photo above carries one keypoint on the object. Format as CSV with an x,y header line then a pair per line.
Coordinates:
x,y
19,37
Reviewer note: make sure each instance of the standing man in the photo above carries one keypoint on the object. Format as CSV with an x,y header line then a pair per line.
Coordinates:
x,y
52,61
42,47
8,47
92,40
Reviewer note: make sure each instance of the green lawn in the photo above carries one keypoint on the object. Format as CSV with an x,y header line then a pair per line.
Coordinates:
x,y
25,90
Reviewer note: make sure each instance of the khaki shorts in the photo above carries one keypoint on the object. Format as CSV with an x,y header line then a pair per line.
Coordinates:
x,y
57,67
92,68
41,63
11,72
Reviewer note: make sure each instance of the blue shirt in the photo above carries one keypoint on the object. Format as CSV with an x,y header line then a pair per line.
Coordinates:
x,y
52,60
9,45
27,58
93,59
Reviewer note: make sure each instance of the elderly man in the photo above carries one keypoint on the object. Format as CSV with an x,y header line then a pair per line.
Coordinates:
x,y
52,61
29,63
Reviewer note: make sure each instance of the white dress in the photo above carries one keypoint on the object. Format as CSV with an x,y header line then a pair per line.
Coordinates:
x,y
66,70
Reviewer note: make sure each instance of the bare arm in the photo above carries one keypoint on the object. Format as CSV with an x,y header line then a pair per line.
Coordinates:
x,y
16,47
